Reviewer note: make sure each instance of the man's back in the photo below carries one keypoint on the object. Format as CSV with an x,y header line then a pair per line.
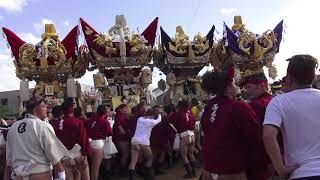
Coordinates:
x,y
71,131
297,113
33,139
67,130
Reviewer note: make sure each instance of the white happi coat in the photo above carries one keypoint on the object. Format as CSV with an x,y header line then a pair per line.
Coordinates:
x,y
32,146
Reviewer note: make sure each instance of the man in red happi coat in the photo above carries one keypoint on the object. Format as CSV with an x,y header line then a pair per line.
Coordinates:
x,y
256,91
72,133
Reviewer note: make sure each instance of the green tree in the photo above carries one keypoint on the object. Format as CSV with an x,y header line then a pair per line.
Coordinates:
x,y
3,111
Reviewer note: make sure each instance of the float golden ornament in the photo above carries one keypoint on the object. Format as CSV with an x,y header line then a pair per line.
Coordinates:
x,y
181,59
121,56
246,51
49,63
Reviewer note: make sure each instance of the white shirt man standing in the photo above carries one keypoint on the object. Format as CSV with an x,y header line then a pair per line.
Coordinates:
x,y
296,113
32,146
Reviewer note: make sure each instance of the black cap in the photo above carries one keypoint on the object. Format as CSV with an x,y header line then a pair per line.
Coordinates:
x,y
33,103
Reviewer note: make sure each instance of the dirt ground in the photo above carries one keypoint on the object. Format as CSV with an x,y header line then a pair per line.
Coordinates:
x,y
175,173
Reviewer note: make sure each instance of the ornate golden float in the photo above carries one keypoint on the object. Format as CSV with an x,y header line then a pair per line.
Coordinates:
x,y
246,51
122,58
51,63
181,59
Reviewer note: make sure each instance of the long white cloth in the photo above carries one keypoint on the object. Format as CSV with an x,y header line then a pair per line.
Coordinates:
x,y
110,148
2,141
176,142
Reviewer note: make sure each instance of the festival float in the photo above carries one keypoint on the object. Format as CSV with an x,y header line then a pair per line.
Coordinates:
x,y
181,60
122,58
52,64
248,53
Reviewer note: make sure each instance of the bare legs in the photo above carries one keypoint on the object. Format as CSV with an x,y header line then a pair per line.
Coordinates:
x,y
146,152
123,149
187,145
83,167
96,158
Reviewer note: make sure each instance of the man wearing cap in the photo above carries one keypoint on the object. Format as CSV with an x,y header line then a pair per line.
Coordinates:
x,y
32,146
256,90
296,113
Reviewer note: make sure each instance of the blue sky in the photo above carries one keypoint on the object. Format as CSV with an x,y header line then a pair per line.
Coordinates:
x,y
26,18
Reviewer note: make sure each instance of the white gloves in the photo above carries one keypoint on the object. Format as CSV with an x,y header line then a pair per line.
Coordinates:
x,y
61,176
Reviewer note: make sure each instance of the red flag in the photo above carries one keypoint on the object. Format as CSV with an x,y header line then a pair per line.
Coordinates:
x,y
14,41
151,31
90,35
70,43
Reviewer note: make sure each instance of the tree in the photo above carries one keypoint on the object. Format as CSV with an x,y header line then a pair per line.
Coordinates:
x,y
3,111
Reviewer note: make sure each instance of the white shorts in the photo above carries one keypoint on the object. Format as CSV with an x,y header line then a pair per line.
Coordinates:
x,y
188,134
97,144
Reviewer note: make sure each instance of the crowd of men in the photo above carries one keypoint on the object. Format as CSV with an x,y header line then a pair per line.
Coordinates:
x,y
260,137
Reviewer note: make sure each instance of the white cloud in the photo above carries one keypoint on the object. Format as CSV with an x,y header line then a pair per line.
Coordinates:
x,y
39,27
29,38
66,23
8,78
13,5
7,68
8,75
301,35
228,11
5,57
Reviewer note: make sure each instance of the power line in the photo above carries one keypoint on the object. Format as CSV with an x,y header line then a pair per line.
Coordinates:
x,y
195,12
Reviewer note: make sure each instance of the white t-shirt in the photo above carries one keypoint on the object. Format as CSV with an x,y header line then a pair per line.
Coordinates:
x,y
143,130
297,114
33,139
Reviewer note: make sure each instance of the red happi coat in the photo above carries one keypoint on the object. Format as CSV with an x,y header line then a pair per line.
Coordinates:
x,y
160,135
259,167
183,121
132,125
98,127
231,134
120,120
70,131
259,106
